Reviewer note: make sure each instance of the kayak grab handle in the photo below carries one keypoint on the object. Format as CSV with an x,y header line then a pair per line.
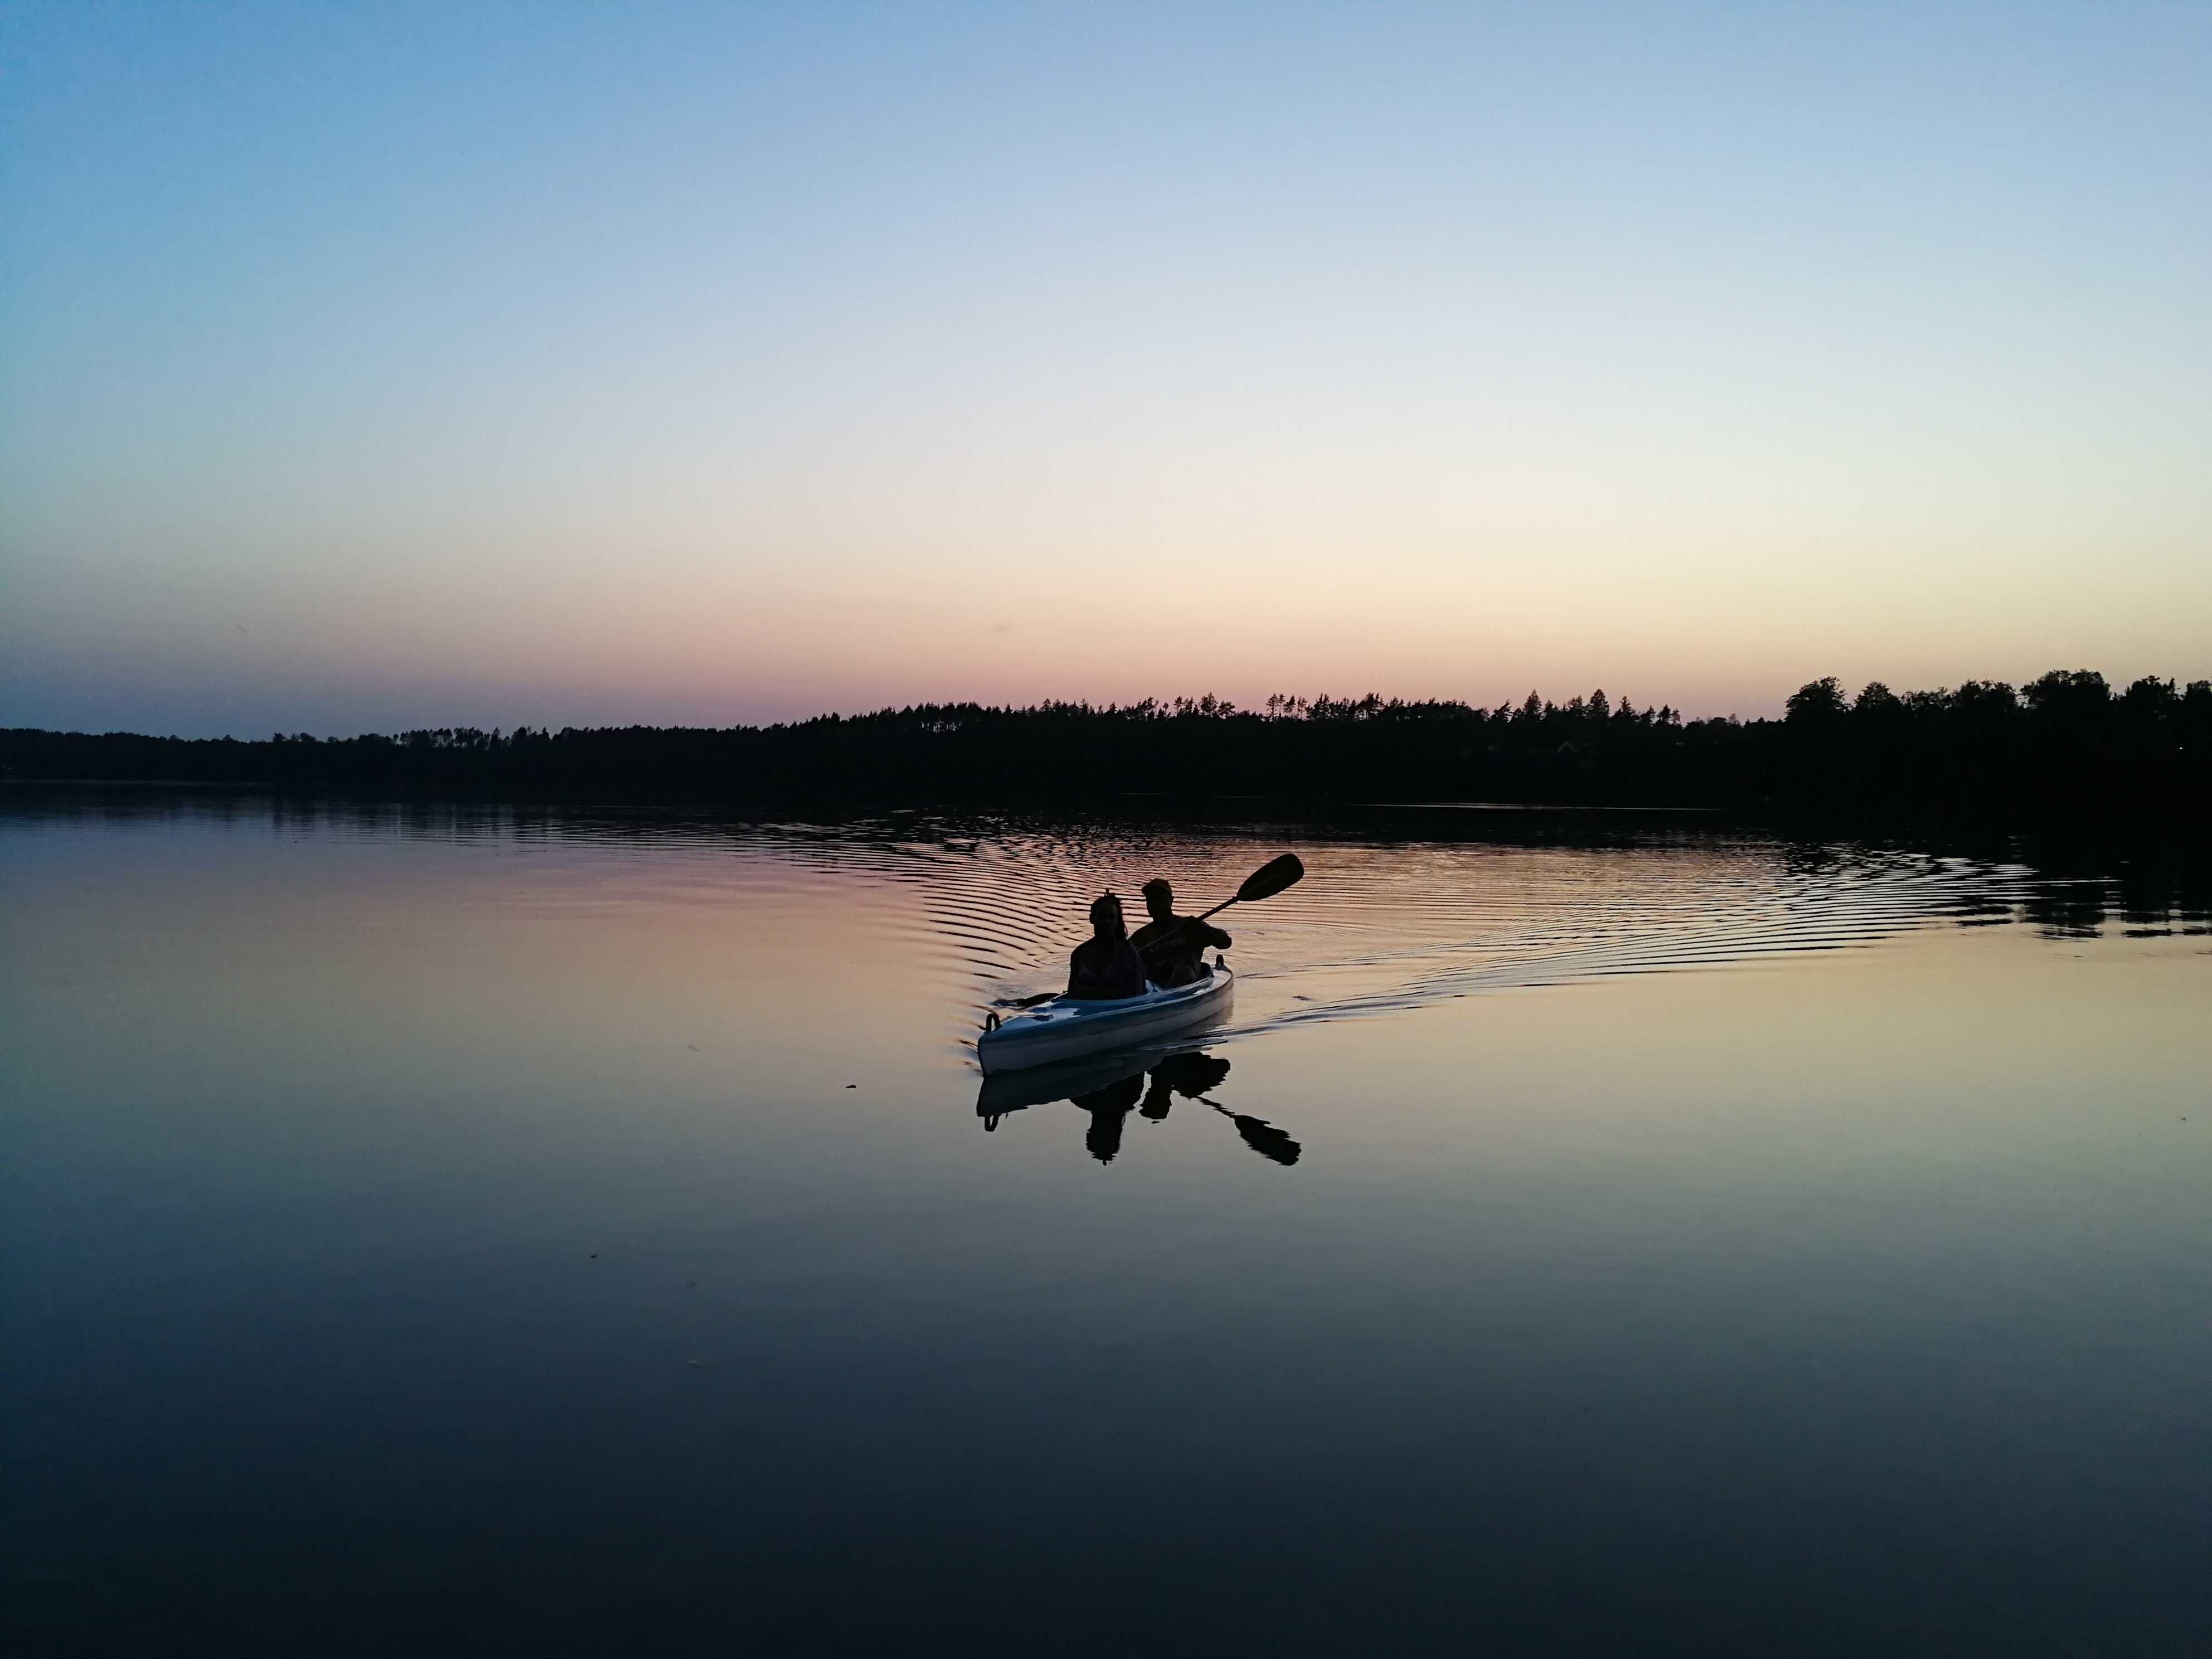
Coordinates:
x,y
991,1020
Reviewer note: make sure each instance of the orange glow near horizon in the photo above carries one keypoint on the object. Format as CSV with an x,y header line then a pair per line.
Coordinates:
x,y
1565,354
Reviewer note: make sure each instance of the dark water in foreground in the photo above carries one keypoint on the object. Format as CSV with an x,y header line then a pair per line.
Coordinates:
x,y
426,1232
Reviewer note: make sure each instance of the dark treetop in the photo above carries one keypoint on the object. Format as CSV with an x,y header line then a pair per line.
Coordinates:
x,y
2066,745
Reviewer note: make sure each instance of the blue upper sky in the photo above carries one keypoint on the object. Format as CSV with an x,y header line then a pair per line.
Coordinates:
x,y
375,366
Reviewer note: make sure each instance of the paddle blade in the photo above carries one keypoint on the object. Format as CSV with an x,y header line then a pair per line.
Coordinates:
x,y
1261,1136
1270,878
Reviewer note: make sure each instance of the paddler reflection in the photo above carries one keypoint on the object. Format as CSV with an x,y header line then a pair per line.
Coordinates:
x,y
1188,1075
1108,1091
1108,1107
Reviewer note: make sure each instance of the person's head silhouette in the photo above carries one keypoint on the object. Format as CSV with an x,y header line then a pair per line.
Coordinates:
x,y
1159,899
1106,920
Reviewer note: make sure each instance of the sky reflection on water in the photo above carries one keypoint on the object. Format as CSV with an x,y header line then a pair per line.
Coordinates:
x,y
550,1234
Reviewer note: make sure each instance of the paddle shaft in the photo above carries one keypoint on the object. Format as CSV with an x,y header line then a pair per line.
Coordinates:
x,y
1185,921
1272,878
1269,879
1049,996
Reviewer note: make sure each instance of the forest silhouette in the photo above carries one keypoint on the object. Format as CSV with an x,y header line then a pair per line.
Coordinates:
x,y
2065,746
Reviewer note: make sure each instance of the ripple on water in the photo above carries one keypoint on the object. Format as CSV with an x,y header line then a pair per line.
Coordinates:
x,y
1380,927
989,908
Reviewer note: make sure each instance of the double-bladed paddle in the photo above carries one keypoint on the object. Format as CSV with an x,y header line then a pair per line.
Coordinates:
x,y
1264,883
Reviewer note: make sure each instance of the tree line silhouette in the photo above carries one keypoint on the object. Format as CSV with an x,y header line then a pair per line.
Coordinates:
x,y
2065,745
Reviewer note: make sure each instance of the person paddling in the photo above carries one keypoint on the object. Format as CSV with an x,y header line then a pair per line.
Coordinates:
x,y
1105,965
1170,945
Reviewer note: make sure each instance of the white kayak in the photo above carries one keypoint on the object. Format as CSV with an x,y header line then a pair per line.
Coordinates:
x,y
1066,1027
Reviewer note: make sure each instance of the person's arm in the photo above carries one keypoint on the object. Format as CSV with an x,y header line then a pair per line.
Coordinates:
x,y
1151,938
1199,935
1075,972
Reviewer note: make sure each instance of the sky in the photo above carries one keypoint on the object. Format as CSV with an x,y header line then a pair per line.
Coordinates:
x,y
369,367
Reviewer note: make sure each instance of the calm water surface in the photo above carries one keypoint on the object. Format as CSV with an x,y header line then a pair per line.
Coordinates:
x,y
519,1234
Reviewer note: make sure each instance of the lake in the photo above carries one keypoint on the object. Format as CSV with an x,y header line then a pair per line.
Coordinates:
x,y
532,1232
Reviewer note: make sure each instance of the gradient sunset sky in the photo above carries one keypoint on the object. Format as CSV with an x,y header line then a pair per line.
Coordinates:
x,y
377,366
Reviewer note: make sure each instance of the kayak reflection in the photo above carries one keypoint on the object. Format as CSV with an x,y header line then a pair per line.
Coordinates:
x,y
1109,1089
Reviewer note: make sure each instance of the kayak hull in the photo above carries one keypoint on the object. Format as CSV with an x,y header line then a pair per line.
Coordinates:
x,y
1065,1029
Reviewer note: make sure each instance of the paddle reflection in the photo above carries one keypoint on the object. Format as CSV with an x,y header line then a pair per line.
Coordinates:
x,y
1109,1090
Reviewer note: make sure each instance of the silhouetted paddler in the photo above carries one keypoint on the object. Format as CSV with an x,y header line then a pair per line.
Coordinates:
x,y
1105,965
1170,945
